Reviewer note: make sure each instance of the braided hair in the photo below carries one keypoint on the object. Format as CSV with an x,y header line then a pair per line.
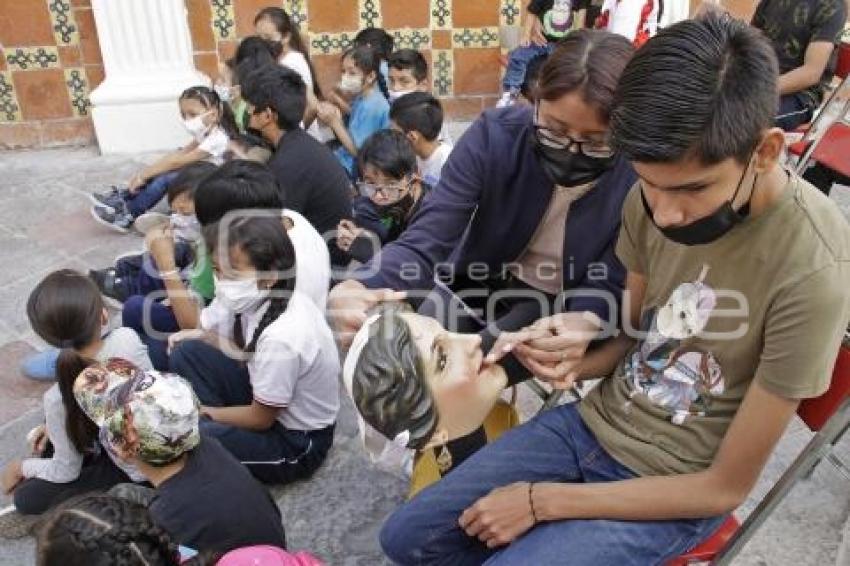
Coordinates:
x,y
265,241
102,530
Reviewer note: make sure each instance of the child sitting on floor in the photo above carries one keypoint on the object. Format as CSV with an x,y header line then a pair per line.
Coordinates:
x,y
210,122
420,117
390,194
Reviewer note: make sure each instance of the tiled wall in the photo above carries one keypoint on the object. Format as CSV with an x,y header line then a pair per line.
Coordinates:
x,y
50,59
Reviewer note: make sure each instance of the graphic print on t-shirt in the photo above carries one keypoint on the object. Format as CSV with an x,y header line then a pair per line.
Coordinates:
x,y
558,21
670,372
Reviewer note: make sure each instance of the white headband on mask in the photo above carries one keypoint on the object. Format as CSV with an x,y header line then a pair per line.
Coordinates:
x,y
390,455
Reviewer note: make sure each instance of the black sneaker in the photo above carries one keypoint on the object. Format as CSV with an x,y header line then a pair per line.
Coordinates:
x,y
119,219
110,199
110,285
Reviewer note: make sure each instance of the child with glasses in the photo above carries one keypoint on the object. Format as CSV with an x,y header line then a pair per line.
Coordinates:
x,y
390,194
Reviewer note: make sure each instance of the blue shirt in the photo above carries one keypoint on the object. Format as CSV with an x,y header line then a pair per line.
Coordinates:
x,y
369,114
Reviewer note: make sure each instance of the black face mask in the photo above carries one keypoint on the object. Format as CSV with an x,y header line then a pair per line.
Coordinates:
x,y
566,168
397,211
710,228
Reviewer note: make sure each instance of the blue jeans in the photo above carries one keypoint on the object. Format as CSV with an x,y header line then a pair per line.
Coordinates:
x,y
518,61
555,446
794,110
150,193
160,318
276,455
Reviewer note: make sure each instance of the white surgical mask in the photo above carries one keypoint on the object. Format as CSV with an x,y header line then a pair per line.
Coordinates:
x,y
223,92
351,84
196,126
186,227
239,295
396,94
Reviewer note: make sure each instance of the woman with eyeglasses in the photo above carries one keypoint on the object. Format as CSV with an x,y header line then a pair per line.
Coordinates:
x,y
390,194
527,211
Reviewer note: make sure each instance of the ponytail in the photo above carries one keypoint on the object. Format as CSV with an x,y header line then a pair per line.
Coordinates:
x,y
81,430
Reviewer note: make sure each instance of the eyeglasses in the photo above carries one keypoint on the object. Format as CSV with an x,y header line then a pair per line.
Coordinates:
x,y
591,148
390,191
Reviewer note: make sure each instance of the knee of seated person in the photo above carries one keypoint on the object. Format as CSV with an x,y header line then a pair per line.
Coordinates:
x,y
183,354
397,538
132,313
26,501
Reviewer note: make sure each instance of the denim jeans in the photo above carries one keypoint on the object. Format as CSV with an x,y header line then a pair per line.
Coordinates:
x,y
276,455
150,193
794,110
555,446
518,61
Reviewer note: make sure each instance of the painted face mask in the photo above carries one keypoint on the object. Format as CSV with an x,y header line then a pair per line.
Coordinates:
x,y
239,295
186,227
711,227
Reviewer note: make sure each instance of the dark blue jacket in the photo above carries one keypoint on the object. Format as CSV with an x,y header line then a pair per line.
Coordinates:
x,y
494,184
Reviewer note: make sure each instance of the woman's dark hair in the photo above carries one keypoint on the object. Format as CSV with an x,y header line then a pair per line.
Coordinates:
x,y
587,61
265,241
704,88
388,384
418,112
376,38
102,530
405,59
209,99
388,151
284,25
255,47
236,185
66,310
367,60
188,178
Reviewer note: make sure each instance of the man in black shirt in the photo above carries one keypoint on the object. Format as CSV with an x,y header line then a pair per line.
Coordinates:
x,y
804,34
312,181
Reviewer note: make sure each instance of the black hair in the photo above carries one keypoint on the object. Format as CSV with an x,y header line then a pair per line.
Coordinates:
x,y
66,310
238,184
188,178
284,25
388,151
586,61
266,243
405,59
418,112
209,99
102,530
367,60
389,384
280,89
257,48
376,38
704,88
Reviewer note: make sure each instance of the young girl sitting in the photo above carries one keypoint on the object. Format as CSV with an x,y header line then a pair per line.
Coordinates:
x,y
210,122
361,78
390,194
66,310
275,412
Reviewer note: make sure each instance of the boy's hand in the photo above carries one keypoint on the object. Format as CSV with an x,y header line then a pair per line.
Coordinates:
x,y
135,183
183,335
347,232
160,242
328,114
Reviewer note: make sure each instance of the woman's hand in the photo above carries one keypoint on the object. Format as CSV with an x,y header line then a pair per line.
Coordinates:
x,y
348,304
37,440
13,474
328,114
552,348
184,335
499,517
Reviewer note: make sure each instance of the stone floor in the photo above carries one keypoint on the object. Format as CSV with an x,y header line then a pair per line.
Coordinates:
x,y
44,225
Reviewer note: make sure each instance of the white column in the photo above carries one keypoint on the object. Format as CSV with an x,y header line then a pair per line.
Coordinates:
x,y
147,57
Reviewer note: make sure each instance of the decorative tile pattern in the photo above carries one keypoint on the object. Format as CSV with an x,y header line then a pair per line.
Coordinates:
x,y
478,37
297,10
328,43
441,14
30,58
64,26
10,110
443,72
509,13
412,38
370,14
223,19
78,91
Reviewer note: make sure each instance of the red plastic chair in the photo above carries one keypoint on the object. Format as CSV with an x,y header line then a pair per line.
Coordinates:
x,y
829,417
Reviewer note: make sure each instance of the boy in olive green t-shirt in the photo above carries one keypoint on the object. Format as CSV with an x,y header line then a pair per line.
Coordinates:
x,y
735,304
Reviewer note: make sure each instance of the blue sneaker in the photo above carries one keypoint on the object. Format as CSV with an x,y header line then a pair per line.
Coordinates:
x,y
42,365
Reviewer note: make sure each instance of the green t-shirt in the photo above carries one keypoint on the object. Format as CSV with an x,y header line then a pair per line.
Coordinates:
x,y
769,301
201,279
